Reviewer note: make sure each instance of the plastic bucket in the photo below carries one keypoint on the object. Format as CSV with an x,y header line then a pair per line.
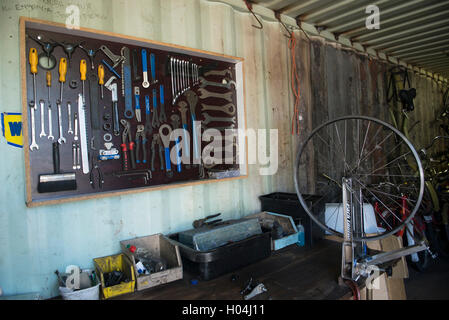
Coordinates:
x,y
92,293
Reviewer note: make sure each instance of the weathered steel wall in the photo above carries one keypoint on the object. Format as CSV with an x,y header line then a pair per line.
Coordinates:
x,y
35,242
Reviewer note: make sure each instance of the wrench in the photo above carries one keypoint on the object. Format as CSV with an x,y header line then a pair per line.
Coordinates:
x,y
69,110
33,145
50,125
175,124
75,116
208,119
114,58
206,94
219,73
61,139
166,142
225,84
42,104
192,99
162,115
229,108
182,107
260,288
145,82
173,88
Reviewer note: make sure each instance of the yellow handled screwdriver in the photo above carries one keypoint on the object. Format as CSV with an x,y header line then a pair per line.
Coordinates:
x,y
33,63
48,77
101,78
83,70
62,74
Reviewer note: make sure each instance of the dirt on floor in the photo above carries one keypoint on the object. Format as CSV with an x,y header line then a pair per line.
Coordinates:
x,y
432,284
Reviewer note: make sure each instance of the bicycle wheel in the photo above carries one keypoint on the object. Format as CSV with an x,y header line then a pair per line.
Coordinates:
x,y
376,157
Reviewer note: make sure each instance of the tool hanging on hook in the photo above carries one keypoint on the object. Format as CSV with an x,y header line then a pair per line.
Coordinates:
x,y
249,5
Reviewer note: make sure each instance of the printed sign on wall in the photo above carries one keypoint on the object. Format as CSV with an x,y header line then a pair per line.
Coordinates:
x,y
12,128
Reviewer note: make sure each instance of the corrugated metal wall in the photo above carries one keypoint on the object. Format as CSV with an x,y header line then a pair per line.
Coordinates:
x,y
35,242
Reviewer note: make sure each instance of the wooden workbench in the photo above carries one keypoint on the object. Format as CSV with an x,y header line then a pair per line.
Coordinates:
x,y
292,273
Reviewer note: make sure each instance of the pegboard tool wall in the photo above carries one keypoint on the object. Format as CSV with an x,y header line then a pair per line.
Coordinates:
x,y
88,185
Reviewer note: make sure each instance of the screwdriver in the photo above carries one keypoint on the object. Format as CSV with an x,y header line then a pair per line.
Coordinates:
x,y
33,64
83,69
48,84
101,78
62,74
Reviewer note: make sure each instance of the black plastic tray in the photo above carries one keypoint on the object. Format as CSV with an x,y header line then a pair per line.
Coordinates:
x,y
228,258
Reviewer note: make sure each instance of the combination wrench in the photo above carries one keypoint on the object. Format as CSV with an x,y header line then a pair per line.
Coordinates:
x,y
145,82
69,111
50,124
33,145
42,105
218,73
61,139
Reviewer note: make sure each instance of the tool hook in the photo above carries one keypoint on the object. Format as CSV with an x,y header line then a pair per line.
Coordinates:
x,y
277,14
249,5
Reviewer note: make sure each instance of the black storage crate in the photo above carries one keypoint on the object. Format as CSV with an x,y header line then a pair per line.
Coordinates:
x,y
288,204
228,258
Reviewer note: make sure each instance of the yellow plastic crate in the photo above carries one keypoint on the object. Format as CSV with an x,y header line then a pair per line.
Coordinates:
x,y
117,262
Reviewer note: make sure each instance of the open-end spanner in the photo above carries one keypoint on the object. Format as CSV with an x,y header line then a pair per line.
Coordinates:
x,y
218,73
69,111
42,105
173,83
61,139
227,85
228,108
34,145
208,119
203,94
75,116
165,138
50,124
174,121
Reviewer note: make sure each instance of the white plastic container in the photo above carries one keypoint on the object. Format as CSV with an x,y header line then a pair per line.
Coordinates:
x,y
91,293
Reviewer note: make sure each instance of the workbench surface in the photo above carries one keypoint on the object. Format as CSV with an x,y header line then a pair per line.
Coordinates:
x,y
291,273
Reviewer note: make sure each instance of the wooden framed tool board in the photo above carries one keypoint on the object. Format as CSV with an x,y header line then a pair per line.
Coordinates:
x,y
215,81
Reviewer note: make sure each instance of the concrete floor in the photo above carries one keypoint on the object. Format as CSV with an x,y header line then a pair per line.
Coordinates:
x,y
433,284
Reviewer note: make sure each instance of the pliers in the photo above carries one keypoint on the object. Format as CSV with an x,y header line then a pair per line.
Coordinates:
x,y
156,141
100,174
141,133
127,141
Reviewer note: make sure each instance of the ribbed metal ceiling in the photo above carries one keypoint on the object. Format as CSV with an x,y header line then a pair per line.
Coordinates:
x,y
415,32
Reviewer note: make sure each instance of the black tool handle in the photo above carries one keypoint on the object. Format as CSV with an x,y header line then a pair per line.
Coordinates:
x,y
56,160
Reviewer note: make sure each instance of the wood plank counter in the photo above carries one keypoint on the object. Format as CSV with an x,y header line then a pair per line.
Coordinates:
x,y
293,273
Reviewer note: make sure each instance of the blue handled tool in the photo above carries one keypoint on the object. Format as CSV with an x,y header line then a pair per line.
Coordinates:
x,y
148,126
145,82
163,116
155,122
153,68
111,68
137,102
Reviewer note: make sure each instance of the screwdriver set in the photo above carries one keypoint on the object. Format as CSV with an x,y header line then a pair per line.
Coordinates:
x,y
113,106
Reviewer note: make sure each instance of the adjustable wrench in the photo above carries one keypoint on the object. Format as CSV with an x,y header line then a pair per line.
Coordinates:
x,y
228,108
33,145
50,124
61,139
226,84
208,119
42,104
203,93
166,141
69,111
145,82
